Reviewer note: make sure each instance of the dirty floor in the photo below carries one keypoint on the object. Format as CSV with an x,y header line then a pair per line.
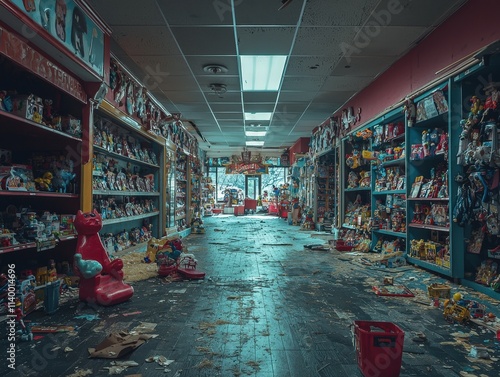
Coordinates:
x,y
268,307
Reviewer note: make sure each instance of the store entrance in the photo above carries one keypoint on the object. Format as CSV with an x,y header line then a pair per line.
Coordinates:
x,y
252,186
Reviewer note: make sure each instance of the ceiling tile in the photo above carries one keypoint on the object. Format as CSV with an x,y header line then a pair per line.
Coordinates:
x,y
342,13
176,83
327,41
387,41
203,13
231,124
291,107
265,40
194,107
260,96
226,97
362,66
345,83
230,116
259,107
226,107
296,96
145,40
304,84
310,66
161,66
266,13
411,13
184,97
205,40
121,14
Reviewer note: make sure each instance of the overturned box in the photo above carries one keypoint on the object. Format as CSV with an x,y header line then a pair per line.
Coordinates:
x,y
437,290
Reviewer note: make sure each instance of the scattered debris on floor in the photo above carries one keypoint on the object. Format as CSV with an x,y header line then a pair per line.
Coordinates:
x,y
205,364
117,345
135,269
81,373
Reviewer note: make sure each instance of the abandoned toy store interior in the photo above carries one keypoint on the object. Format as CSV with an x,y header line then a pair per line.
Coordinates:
x,y
294,188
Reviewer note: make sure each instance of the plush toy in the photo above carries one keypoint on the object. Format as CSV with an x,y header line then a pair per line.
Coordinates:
x,y
45,182
88,268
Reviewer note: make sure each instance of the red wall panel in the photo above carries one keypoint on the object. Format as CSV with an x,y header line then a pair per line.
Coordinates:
x,y
460,35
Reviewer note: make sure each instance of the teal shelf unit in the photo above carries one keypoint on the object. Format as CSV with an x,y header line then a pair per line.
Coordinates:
x,y
388,182
358,192
465,85
430,213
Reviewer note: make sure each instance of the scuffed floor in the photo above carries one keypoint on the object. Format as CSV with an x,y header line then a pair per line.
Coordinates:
x,y
268,307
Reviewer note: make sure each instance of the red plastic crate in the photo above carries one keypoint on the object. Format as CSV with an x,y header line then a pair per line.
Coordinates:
x,y
239,210
379,348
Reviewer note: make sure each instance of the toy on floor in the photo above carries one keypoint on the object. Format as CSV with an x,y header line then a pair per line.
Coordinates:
x,y
172,258
105,287
24,331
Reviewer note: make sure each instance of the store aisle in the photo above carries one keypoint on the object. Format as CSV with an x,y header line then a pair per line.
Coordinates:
x,y
268,307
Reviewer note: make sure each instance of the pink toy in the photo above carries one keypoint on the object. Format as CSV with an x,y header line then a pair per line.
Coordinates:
x,y
107,287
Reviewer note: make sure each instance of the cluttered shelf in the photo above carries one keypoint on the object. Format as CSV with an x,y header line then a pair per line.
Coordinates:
x,y
46,194
30,245
125,193
124,158
129,218
390,233
429,266
429,227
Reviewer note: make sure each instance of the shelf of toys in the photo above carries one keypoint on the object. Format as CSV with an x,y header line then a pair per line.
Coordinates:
x,y
476,196
46,100
431,237
356,183
388,175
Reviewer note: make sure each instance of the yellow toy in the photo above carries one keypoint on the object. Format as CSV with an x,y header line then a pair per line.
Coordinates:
x,y
45,182
453,312
154,245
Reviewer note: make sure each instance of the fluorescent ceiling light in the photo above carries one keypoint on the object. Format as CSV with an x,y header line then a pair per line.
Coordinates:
x,y
254,143
255,133
262,72
258,116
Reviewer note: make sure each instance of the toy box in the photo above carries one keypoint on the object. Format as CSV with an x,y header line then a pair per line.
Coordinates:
x,y
437,290
28,106
25,293
71,126
16,178
66,226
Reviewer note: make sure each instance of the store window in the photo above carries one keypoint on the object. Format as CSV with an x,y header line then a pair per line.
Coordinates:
x,y
222,181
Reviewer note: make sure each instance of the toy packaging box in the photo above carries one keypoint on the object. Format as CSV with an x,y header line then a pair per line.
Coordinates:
x,y
26,295
66,226
28,106
16,178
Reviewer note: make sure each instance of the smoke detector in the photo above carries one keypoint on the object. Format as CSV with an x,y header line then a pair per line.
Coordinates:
x,y
218,89
215,69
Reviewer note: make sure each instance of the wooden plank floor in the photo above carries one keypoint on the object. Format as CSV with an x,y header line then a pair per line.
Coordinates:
x,y
268,308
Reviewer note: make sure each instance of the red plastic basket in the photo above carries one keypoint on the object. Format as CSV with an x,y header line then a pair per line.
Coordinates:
x,y
379,348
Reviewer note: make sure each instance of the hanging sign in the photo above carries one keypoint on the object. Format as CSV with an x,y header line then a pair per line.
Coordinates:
x,y
19,51
252,168
66,21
